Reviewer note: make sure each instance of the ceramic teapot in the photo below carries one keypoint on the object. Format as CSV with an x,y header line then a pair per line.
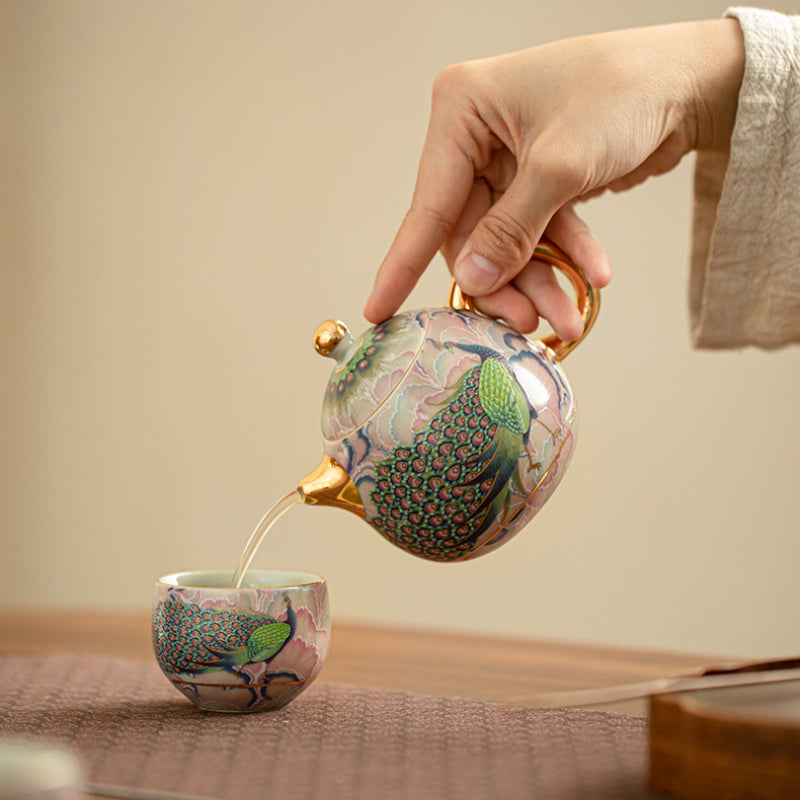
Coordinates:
x,y
444,429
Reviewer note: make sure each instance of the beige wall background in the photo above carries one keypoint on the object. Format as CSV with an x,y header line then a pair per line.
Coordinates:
x,y
190,187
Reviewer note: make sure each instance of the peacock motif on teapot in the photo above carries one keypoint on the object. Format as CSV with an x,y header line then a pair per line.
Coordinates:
x,y
444,429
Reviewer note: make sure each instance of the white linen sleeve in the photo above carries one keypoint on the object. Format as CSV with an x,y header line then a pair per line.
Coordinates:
x,y
745,271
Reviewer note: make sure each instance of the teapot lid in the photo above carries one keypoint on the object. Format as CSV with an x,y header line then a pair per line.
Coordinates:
x,y
367,369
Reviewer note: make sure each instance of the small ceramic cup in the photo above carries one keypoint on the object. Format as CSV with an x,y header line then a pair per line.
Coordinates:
x,y
254,648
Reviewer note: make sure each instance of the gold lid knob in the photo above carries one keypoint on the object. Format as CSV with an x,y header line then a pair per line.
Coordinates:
x,y
328,335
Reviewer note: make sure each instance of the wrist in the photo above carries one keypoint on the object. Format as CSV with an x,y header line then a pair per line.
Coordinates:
x,y
718,72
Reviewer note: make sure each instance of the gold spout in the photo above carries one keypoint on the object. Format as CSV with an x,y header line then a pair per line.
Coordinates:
x,y
330,485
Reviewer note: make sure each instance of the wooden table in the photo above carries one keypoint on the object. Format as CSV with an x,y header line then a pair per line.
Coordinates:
x,y
425,661
431,662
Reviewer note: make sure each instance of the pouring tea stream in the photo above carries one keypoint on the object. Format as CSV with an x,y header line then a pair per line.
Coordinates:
x,y
443,429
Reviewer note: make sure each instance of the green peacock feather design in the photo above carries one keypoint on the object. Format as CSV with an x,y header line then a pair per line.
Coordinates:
x,y
370,359
188,638
436,497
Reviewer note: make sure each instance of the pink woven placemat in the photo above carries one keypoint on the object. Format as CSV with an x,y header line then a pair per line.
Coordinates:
x,y
133,731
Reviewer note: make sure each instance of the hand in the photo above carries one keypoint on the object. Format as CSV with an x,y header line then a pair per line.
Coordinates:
x,y
513,141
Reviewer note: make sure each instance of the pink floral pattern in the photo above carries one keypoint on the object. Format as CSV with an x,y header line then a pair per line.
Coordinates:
x,y
249,649
432,354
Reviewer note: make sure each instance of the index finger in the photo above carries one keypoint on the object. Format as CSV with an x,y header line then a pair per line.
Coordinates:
x,y
444,181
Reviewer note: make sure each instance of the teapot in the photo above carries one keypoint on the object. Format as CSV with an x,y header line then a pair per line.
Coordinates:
x,y
444,429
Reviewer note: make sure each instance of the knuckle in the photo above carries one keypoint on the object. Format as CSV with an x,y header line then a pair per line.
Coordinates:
x,y
452,80
506,238
429,216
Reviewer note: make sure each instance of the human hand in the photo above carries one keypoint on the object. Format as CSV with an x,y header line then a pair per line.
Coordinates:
x,y
513,141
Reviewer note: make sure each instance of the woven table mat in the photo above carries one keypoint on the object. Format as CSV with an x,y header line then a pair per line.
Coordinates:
x,y
133,731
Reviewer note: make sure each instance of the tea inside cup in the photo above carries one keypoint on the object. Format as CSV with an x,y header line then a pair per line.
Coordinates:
x,y
252,648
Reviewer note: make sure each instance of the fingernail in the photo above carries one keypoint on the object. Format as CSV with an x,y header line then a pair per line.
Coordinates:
x,y
475,273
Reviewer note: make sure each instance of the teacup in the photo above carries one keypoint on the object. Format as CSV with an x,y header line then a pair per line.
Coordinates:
x,y
252,648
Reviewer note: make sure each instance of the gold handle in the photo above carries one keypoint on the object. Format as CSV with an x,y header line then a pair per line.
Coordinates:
x,y
587,297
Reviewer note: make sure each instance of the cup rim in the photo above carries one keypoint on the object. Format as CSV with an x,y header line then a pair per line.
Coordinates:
x,y
298,579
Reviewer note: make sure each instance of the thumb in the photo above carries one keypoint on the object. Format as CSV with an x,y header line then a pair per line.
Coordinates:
x,y
503,240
